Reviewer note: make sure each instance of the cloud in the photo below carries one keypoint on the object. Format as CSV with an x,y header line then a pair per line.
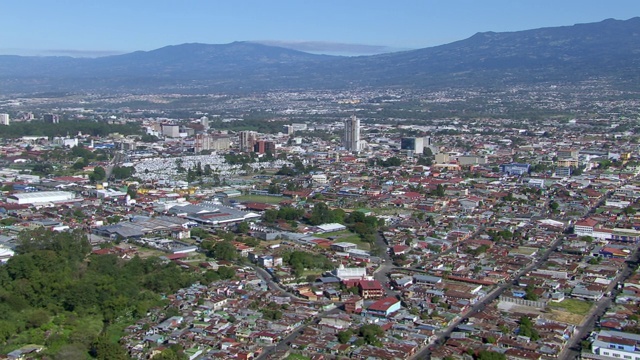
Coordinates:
x,y
81,53
332,48
59,52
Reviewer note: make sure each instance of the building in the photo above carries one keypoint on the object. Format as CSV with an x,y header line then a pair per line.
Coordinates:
x,y
384,307
4,119
514,169
465,160
616,345
247,140
353,305
351,139
415,144
568,153
563,171
370,289
51,118
264,147
40,197
343,273
171,130
442,158
210,142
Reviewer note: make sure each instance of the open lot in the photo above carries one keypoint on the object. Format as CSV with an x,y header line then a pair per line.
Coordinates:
x,y
346,236
573,306
259,198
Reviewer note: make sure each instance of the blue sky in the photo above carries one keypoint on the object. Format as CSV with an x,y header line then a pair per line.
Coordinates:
x,y
96,28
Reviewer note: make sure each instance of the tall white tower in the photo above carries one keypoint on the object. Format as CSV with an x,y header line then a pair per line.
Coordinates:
x,y
351,140
4,119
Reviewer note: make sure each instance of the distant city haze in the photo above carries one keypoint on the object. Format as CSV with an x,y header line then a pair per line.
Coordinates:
x,y
94,29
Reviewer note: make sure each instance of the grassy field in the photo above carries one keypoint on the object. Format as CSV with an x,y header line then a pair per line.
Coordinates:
x,y
296,357
573,306
347,236
260,198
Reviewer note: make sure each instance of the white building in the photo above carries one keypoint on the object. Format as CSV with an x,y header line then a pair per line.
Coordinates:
x,y
611,344
5,254
4,119
351,139
41,197
319,178
171,130
344,273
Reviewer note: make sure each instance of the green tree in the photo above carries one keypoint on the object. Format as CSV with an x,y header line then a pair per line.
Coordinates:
x,y
344,336
242,227
98,174
103,349
371,334
224,250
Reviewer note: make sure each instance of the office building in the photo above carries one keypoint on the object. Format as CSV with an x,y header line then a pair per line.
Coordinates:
x,y
264,147
4,119
171,130
247,140
515,169
351,139
51,118
413,144
210,142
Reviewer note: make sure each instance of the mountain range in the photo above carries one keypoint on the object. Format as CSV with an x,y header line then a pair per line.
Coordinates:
x,y
608,50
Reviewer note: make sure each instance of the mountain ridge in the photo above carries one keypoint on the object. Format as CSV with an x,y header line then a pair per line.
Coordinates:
x,y
607,49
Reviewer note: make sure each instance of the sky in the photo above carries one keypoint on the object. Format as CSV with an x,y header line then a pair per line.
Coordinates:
x,y
91,28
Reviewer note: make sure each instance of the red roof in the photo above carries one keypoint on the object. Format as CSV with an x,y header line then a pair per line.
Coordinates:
x,y
370,285
384,304
587,222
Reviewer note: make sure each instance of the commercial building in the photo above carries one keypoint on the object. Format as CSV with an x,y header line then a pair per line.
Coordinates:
x,y
264,147
384,307
210,142
415,144
51,118
514,168
611,344
171,130
247,140
4,119
41,197
351,140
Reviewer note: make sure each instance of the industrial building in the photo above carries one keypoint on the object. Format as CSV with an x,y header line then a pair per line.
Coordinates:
x,y
41,197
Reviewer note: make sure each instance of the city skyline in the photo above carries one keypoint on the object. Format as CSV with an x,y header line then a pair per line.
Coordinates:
x,y
82,29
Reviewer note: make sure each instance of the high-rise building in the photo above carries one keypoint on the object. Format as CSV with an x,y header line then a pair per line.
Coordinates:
x,y
205,122
4,119
210,142
171,130
288,129
265,147
415,144
247,140
51,118
351,139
